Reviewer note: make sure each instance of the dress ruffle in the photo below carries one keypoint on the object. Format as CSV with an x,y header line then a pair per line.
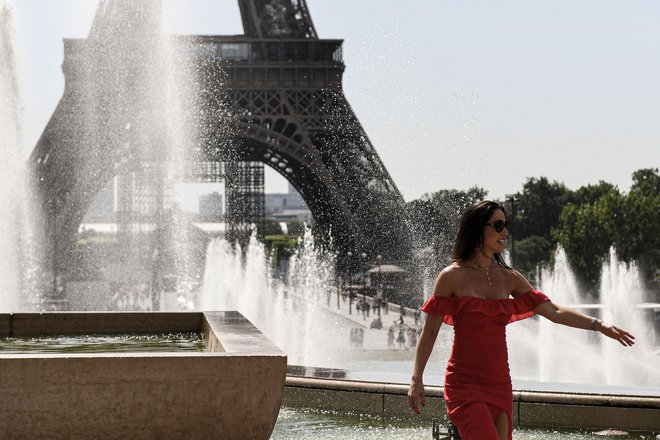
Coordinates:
x,y
519,307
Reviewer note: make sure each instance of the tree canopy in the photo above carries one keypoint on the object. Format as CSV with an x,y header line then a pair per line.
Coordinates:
x,y
586,222
434,221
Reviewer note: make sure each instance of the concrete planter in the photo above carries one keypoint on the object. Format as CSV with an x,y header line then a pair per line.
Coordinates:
x,y
231,391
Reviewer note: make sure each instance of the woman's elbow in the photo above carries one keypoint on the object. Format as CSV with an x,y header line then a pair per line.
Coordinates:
x,y
549,311
553,317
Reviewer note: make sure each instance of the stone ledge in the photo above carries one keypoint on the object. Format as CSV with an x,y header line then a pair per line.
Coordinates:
x,y
530,409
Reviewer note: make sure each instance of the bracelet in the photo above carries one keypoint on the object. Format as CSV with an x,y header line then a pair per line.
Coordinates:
x,y
594,322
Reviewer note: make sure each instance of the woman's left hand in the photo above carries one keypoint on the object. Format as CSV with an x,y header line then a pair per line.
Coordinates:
x,y
616,333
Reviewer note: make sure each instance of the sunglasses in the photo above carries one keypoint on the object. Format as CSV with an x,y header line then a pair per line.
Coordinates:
x,y
500,225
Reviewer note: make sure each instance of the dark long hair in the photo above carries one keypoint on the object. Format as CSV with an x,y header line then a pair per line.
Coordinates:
x,y
471,231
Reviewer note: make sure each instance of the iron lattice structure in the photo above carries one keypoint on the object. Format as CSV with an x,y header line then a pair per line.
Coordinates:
x,y
272,96
144,195
246,203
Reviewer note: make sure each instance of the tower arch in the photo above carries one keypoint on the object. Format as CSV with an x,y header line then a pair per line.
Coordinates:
x,y
272,95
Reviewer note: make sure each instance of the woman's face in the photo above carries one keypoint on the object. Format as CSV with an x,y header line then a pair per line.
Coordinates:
x,y
495,242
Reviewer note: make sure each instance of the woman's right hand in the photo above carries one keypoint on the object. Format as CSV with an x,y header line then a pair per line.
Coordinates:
x,y
416,395
616,333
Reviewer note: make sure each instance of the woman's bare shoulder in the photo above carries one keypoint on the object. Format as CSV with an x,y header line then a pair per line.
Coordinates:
x,y
449,278
517,283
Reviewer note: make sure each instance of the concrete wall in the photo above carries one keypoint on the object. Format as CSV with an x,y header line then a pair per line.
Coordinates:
x,y
530,409
230,394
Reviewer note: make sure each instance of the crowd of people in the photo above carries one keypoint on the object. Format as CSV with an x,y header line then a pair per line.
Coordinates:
x,y
376,305
401,333
406,335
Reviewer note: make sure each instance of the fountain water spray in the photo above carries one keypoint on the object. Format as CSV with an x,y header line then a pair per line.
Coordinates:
x,y
10,144
622,295
18,212
546,352
291,312
136,90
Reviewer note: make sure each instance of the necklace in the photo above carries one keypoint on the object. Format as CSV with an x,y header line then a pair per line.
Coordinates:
x,y
485,270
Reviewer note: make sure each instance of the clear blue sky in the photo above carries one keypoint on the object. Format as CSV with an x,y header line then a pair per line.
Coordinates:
x,y
451,93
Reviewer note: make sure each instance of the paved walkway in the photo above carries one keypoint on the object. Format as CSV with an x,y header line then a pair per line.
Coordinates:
x,y
361,323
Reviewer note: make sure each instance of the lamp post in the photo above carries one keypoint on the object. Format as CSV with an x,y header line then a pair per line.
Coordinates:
x,y
379,290
340,285
363,255
511,198
349,254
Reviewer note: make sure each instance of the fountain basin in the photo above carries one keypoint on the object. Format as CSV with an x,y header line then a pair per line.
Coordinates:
x,y
531,409
231,391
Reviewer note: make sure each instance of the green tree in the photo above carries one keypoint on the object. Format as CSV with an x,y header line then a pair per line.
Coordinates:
x,y
636,232
592,193
584,233
602,217
295,227
538,207
280,247
532,251
636,229
535,214
646,181
269,227
434,220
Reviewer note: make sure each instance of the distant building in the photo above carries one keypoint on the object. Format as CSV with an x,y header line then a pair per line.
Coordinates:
x,y
282,202
211,208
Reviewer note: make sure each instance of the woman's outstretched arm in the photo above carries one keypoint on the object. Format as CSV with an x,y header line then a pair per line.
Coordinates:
x,y
573,318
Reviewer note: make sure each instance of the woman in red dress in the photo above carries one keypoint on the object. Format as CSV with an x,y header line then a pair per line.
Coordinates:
x,y
479,295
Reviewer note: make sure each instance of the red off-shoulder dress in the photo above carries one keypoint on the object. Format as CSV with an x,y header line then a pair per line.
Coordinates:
x,y
477,380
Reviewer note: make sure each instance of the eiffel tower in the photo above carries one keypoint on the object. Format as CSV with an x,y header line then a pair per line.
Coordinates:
x,y
272,96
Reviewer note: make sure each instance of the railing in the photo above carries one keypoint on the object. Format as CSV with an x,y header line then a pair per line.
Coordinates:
x,y
245,50
237,50
255,51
